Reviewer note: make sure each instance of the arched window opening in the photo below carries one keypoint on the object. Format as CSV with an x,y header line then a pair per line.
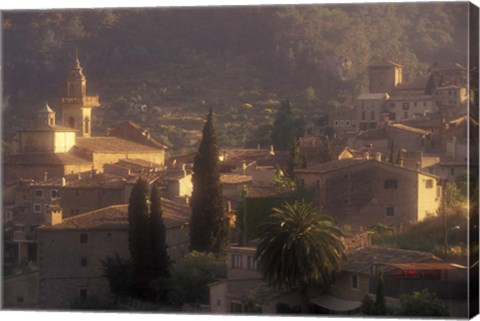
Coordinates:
x,y
87,125
71,122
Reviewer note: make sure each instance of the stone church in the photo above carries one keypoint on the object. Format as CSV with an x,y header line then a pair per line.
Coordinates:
x,y
50,150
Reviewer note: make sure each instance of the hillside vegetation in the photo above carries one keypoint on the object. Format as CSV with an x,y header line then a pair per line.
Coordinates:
x,y
242,61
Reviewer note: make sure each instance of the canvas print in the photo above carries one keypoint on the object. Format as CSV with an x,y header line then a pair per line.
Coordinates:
x,y
315,159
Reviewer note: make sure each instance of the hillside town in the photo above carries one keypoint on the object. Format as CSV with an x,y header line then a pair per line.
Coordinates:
x,y
66,196
384,182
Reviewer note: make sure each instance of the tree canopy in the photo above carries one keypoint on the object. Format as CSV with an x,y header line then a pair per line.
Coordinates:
x,y
209,223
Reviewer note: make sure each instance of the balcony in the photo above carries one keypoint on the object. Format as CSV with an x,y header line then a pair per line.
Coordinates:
x,y
89,101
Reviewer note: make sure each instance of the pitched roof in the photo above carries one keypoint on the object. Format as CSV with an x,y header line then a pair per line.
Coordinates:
x,y
133,132
110,144
45,159
385,63
361,260
410,129
268,192
235,179
115,217
351,162
45,109
417,84
372,96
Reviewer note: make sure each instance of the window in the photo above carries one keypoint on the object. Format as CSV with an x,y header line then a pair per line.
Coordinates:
x,y
83,262
47,207
83,238
87,125
252,264
335,123
347,123
392,105
405,106
415,104
39,193
82,292
364,115
354,281
452,171
237,261
341,123
53,193
405,114
37,208
390,211
372,115
429,183
390,183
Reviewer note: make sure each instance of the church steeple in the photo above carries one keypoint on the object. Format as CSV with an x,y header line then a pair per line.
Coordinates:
x,y
76,82
76,106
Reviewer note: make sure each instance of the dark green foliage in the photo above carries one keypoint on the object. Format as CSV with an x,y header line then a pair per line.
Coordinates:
x,y
293,159
138,235
299,248
189,282
423,303
380,302
284,131
160,259
326,152
368,306
209,224
119,273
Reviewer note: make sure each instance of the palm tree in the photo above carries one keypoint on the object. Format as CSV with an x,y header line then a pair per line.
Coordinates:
x,y
299,248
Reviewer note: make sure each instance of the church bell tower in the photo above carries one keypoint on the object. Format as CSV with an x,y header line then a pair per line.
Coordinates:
x,y
77,107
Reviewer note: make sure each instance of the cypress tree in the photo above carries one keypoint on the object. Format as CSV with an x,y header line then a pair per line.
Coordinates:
x,y
138,239
380,303
293,159
159,257
209,223
283,131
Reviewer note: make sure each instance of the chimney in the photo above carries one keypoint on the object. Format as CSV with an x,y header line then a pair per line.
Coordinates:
x,y
45,176
54,215
378,156
401,162
244,167
64,181
418,166
229,207
184,169
366,155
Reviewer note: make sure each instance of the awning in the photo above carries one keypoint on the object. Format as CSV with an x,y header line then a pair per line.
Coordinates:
x,y
335,304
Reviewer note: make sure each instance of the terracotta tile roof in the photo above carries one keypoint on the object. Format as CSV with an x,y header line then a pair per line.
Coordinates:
x,y
351,162
235,179
372,96
361,260
410,129
379,133
133,132
45,159
83,180
268,192
384,63
417,84
410,97
111,144
116,217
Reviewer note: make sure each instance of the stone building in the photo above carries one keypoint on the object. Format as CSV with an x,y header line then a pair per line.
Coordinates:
x,y
46,147
384,76
70,252
365,192
369,110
